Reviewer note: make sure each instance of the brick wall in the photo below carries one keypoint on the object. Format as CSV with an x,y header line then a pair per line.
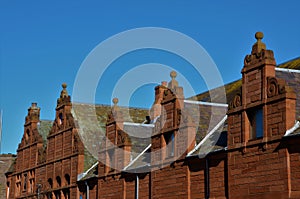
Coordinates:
x,y
258,173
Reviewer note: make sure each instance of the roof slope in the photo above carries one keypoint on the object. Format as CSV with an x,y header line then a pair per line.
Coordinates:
x,y
44,128
292,64
91,122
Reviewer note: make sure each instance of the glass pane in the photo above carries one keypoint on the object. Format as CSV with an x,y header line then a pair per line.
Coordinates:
x,y
259,128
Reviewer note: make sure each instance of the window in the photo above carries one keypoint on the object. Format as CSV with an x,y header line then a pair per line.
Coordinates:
x,y
111,161
27,136
60,119
170,144
256,123
66,194
18,185
25,182
7,190
50,183
31,182
49,195
57,195
58,181
67,179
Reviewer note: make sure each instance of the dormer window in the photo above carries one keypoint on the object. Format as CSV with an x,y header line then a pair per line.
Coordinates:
x,y
111,161
256,123
60,119
170,144
27,136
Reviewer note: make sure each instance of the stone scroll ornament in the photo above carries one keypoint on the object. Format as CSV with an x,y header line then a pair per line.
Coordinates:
x,y
274,87
122,138
237,100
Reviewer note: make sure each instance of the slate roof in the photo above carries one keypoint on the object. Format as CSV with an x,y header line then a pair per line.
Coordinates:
x,y
207,115
140,136
142,161
293,81
230,89
91,122
44,128
11,168
296,132
291,64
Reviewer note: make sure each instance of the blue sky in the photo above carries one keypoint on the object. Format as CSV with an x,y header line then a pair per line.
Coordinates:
x,y
43,44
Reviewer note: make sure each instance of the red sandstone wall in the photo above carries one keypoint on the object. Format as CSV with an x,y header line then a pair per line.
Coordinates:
x,y
258,173
111,188
197,178
170,182
217,174
294,158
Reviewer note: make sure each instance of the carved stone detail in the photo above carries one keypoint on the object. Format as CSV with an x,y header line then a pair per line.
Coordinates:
x,y
259,53
274,87
75,143
179,114
122,138
236,102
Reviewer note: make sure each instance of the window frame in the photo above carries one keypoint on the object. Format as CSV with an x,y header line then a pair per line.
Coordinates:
x,y
256,123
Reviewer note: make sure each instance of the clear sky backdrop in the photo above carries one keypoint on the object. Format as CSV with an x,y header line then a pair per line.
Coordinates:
x,y
43,43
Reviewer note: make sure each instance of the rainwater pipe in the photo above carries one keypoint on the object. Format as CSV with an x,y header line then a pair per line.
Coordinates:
x,y
87,190
207,180
137,186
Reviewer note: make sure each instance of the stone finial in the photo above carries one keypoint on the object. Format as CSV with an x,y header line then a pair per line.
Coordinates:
x,y
115,114
259,35
173,83
64,98
259,54
64,92
115,101
33,113
173,74
259,45
115,107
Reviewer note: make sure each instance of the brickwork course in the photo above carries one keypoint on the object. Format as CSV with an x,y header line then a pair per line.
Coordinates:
x,y
250,149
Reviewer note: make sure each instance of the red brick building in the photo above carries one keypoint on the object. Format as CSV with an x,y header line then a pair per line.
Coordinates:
x,y
249,149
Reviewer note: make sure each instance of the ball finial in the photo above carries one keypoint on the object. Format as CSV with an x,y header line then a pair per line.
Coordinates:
x,y
115,101
173,74
259,35
64,85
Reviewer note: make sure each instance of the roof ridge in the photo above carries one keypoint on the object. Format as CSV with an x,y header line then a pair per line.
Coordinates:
x,y
107,105
296,58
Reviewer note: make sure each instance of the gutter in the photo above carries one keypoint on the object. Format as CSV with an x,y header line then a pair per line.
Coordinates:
x,y
291,130
207,136
82,175
206,103
137,157
287,70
